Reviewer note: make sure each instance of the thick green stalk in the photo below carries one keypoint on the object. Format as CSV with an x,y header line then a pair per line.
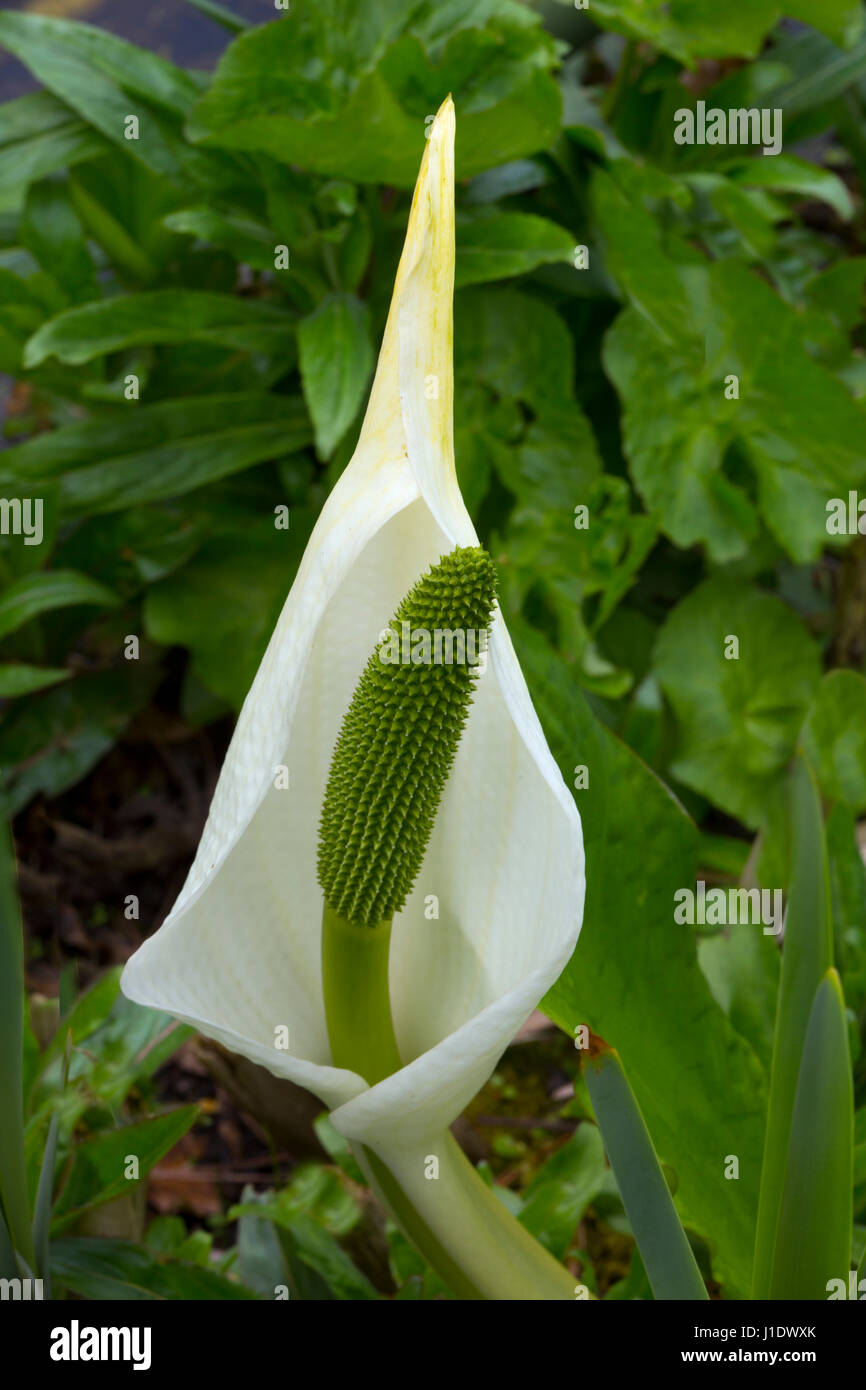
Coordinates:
x,y
465,1233
357,1000
460,1227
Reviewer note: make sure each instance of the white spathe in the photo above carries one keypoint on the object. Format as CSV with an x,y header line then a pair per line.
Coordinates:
x,y
239,954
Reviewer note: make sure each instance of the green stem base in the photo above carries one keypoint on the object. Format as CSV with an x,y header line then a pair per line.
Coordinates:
x,y
462,1229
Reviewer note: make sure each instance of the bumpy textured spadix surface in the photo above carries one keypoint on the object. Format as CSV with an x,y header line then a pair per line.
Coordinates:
x,y
399,740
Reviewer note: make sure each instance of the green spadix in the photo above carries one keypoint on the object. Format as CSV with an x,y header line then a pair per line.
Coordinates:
x,y
390,765
399,738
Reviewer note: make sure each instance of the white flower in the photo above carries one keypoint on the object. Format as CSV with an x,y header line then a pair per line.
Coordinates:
x,y
239,954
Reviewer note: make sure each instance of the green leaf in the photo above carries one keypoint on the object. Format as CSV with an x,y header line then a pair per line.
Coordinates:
x,y
813,1240
690,29
162,316
89,1012
44,1194
742,969
563,1188
205,608
820,71
665,1251
634,976
48,743
38,136
834,737
682,435
504,244
336,358
248,241
305,1247
261,1264
8,1262
13,1172
807,955
50,229
149,452
116,1269
45,590
105,80
17,679
345,89
840,20
786,173
220,15
738,718
98,1172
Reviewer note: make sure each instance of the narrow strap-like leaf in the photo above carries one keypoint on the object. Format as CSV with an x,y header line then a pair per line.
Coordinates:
x,y
670,1264
13,1172
807,954
813,1241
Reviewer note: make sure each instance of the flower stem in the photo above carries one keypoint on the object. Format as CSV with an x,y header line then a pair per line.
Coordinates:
x,y
465,1233
357,1000
446,1209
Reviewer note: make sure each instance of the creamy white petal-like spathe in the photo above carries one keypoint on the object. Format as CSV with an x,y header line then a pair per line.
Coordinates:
x,y
239,955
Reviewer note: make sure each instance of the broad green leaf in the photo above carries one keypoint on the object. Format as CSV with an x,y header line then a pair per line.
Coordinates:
x,y
562,1189
505,244
345,89
336,358
742,969
309,1215
18,679
261,1265
45,590
117,1270
105,80
787,173
514,344
248,241
634,253
318,1251
635,979
148,452
50,229
691,29
819,69
38,136
682,431
807,955
840,20
49,742
205,608
665,1251
738,715
13,1172
99,1163
813,1240
838,292
834,737
162,316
